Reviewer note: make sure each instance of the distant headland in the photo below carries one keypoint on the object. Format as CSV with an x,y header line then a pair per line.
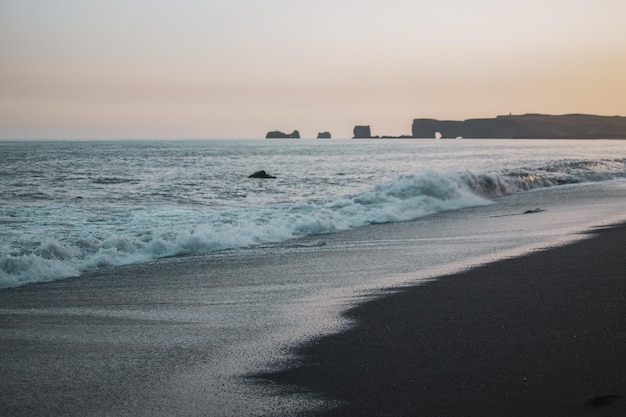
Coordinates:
x,y
527,126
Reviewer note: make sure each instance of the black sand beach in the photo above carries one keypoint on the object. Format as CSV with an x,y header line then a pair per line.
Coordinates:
x,y
539,335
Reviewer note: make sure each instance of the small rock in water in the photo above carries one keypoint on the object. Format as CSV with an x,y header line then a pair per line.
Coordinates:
x,y
261,174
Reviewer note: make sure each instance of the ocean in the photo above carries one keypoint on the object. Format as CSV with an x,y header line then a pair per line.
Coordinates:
x,y
121,235
70,207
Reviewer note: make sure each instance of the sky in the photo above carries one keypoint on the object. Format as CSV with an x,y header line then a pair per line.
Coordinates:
x,y
240,68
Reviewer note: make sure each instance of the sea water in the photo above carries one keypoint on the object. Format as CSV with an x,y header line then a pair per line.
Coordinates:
x,y
67,207
194,276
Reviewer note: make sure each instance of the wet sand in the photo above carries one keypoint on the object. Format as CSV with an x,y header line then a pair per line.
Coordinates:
x,y
177,337
539,335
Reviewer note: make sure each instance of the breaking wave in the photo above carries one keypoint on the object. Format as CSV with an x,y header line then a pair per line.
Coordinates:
x,y
153,232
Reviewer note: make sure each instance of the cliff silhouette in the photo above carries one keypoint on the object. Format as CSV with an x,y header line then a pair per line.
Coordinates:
x,y
527,126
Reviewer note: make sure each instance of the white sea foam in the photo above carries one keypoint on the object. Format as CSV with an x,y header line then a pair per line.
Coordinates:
x,y
188,232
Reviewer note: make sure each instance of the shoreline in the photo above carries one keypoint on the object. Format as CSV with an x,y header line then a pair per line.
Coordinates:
x,y
542,334
183,336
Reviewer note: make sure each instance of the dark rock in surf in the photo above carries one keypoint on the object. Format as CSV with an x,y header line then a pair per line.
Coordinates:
x,y
323,135
261,174
537,210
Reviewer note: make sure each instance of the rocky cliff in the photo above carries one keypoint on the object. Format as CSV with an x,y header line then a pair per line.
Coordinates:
x,y
528,126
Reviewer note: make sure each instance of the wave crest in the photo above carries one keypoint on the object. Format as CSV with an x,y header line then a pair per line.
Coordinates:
x,y
162,232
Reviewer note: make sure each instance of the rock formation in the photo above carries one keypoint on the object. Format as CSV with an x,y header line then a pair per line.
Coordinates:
x,y
261,174
277,134
362,132
323,135
528,126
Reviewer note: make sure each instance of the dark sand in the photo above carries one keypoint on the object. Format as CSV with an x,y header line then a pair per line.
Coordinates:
x,y
539,335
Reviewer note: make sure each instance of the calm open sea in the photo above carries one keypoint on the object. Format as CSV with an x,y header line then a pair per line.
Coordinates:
x,y
67,207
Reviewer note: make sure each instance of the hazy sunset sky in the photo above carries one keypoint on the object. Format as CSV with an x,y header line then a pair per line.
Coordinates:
x,y
238,68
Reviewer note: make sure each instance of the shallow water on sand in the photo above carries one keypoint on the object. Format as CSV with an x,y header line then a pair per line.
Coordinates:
x,y
178,336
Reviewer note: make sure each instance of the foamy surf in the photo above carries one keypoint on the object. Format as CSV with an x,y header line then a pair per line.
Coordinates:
x,y
52,238
189,232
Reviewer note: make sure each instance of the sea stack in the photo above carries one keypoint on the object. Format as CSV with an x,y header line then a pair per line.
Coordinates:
x,y
362,132
277,134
